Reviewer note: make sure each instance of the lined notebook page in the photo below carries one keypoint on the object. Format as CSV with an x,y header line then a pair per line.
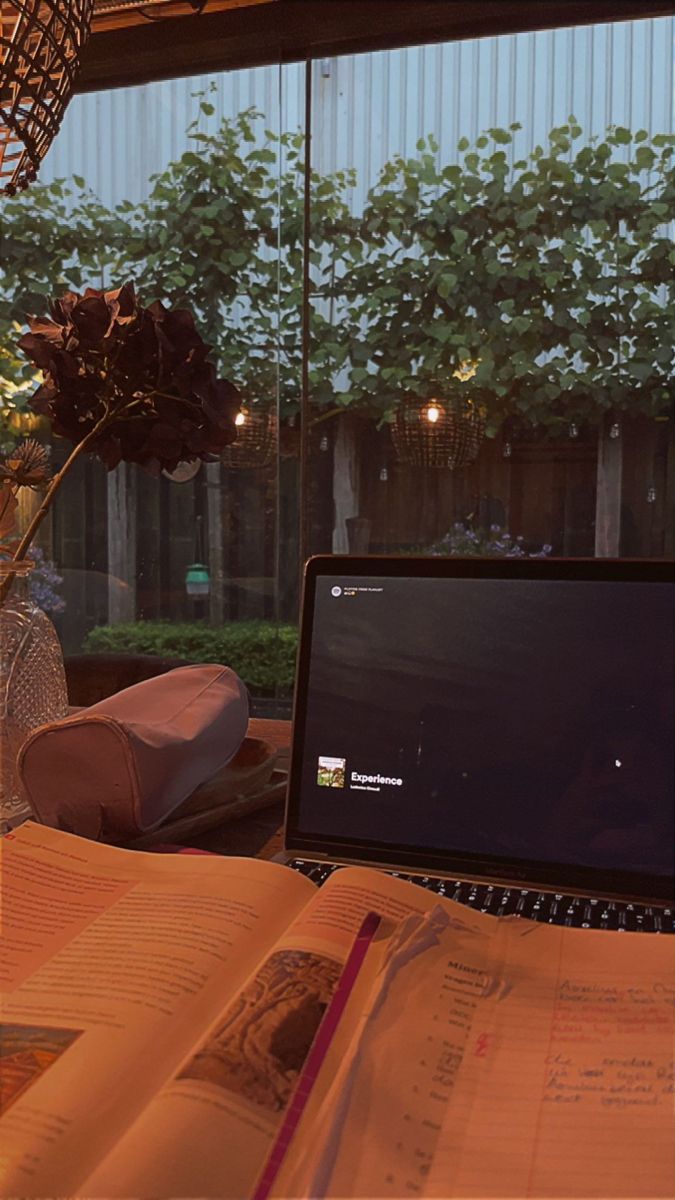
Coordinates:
x,y
509,1059
575,1093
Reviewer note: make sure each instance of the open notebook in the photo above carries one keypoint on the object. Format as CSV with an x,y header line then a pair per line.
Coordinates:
x,y
160,1013
493,1059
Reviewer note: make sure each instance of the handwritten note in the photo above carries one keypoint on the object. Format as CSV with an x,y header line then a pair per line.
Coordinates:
x,y
512,1060
575,1096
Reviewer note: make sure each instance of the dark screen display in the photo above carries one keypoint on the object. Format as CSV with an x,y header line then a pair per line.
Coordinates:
x,y
527,719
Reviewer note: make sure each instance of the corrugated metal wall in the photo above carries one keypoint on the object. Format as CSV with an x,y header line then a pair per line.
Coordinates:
x,y
368,107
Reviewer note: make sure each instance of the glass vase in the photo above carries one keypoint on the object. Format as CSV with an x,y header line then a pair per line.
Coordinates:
x,y
32,684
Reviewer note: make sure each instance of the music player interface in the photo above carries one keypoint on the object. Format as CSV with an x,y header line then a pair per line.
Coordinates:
x,y
532,719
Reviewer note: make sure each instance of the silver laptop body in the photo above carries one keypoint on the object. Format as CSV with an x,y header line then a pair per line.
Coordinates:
x,y
500,730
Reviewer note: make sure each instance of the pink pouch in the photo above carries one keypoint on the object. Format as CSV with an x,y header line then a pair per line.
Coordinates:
x,y
120,767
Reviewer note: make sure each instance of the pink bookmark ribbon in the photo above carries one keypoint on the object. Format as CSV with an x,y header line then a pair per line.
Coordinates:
x,y
317,1055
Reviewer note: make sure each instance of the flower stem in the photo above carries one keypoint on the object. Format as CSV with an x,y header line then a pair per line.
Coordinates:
x,y
50,495
10,497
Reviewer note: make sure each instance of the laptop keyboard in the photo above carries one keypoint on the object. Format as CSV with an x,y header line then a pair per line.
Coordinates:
x,y
553,907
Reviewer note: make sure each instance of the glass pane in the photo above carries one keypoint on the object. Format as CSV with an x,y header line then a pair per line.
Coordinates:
x,y
183,188
492,296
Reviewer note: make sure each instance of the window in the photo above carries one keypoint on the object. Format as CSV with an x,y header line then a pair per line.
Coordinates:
x,y
482,361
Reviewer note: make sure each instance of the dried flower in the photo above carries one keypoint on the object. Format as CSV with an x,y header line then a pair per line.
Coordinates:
x,y
124,382
136,382
26,466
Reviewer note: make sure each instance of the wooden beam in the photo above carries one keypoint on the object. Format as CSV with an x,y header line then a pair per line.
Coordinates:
x,y
608,493
292,30
123,14
121,544
215,553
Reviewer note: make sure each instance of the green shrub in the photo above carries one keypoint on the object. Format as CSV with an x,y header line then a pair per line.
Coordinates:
x,y
261,652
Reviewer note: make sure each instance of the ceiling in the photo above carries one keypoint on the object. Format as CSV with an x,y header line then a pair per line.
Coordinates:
x,y
135,42
120,14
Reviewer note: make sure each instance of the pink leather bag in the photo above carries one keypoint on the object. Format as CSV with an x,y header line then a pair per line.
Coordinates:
x,y
120,767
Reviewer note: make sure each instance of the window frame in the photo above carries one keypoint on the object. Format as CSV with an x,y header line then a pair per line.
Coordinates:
x,y
282,31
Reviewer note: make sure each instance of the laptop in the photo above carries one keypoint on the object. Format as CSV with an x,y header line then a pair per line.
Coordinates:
x,y
497,730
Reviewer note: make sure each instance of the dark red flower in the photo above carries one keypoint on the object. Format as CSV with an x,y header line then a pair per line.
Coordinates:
x,y
143,374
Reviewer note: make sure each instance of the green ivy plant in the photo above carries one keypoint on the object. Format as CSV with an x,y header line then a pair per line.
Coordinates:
x,y
222,233
53,237
551,278
547,283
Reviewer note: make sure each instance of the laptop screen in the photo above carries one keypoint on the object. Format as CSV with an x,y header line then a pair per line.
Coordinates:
x,y
521,720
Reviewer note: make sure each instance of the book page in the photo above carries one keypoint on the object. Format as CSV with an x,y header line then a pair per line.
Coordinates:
x,y
514,1060
113,962
208,1131
373,1121
576,1096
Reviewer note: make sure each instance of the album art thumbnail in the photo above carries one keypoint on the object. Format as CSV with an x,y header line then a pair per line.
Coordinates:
x,y
331,772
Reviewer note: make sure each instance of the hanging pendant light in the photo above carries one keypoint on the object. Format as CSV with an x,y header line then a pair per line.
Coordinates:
x,y
438,433
40,46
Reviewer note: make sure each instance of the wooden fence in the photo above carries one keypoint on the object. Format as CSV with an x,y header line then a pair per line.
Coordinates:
x,y
124,542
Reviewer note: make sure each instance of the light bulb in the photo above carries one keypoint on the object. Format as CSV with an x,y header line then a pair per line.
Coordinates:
x,y
432,413
240,418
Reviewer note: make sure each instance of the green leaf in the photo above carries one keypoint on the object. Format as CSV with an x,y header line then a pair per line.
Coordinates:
x,y
640,370
446,284
645,157
501,136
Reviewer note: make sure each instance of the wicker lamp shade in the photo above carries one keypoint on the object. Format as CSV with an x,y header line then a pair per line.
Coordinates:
x,y
256,439
437,433
40,45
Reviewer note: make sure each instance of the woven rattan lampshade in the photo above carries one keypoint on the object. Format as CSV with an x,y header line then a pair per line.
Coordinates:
x,y
40,46
437,433
256,441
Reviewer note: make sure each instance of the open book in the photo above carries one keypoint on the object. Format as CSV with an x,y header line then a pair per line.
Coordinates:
x,y
157,1011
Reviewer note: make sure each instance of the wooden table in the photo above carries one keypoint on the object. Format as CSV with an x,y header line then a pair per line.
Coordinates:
x,y
258,835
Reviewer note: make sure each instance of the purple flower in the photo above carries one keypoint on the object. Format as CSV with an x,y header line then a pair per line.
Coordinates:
x,y
489,543
45,583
